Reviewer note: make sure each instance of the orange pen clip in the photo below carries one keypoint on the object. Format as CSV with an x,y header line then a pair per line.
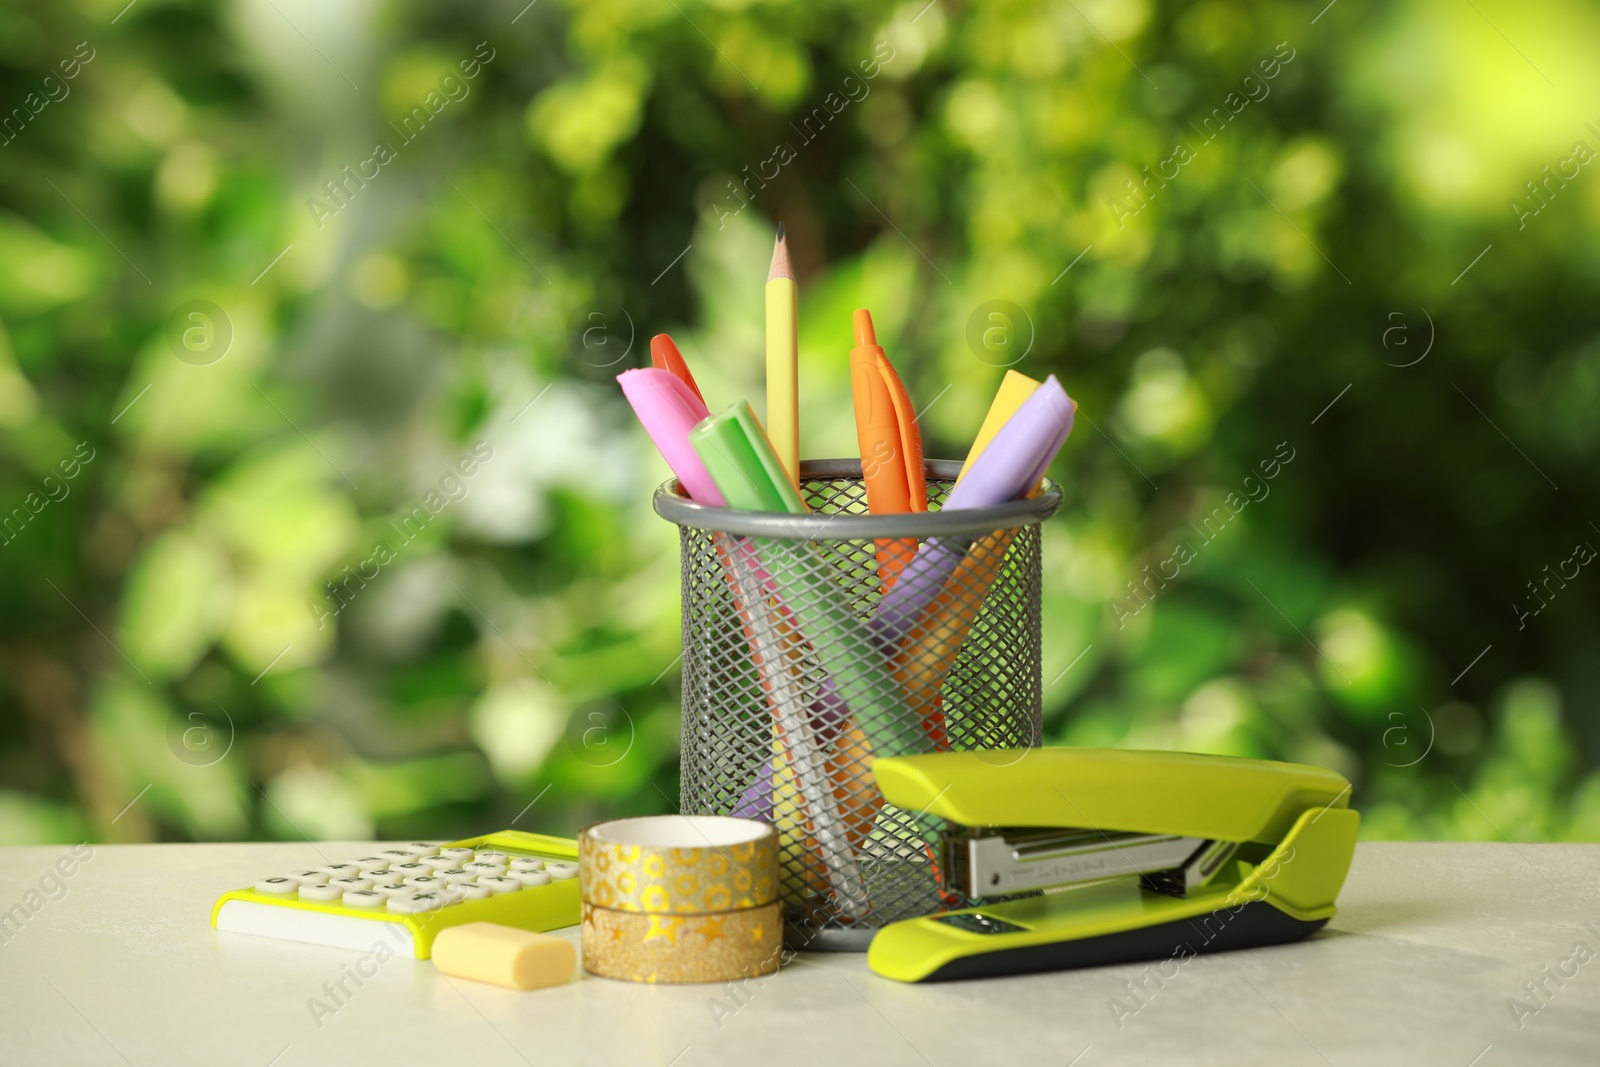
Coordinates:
x,y
890,443
664,355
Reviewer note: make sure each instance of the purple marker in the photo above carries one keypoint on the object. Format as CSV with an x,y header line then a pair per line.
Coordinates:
x,y
1012,464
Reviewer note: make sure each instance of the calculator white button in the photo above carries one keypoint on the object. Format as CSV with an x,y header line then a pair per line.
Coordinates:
x,y
364,898
561,871
424,882
489,855
500,885
410,870
454,875
527,863
309,877
468,891
371,863
460,855
447,894
321,892
485,870
418,902
339,870
347,884
421,848
278,887
438,863
393,889
397,855
531,877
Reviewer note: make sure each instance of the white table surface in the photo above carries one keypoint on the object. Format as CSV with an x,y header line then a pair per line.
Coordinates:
x,y
1431,943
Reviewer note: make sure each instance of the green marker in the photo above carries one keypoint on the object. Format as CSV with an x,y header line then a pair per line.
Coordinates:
x,y
746,470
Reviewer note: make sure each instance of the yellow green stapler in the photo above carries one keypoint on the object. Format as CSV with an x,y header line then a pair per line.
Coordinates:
x,y
1108,856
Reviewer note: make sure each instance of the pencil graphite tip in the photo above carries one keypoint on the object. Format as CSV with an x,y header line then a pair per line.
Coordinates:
x,y
865,335
780,258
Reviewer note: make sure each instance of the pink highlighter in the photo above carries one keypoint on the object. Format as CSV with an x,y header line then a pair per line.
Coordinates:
x,y
669,410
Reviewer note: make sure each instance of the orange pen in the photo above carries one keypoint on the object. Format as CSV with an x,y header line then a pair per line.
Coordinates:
x,y
923,661
890,443
664,355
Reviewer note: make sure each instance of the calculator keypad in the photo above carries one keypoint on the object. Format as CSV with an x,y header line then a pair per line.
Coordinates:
x,y
417,877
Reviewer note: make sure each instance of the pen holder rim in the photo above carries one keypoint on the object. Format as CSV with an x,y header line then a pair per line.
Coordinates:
x,y
672,505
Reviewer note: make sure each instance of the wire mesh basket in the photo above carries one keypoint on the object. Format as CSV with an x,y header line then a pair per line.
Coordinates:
x,y
813,644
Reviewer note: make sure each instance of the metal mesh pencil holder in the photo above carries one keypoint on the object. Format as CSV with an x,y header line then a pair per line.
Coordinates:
x,y
813,644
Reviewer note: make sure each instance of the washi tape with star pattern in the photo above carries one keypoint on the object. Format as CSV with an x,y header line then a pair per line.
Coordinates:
x,y
678,949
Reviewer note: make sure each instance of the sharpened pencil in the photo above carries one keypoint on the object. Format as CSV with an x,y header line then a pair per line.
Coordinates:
x,y
783,359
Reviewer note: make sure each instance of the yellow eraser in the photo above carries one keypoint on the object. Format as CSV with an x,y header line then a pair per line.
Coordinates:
x,y
504,955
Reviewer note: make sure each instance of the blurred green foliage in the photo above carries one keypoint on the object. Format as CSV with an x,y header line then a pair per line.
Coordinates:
x,y
270,599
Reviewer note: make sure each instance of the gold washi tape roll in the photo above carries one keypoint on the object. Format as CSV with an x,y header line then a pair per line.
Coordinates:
x,y
718,947
679,864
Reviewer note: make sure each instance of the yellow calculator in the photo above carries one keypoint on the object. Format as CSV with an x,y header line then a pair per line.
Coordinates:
x,y
404,895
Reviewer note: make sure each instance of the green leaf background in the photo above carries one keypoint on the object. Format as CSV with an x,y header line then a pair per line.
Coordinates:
x,y
221,626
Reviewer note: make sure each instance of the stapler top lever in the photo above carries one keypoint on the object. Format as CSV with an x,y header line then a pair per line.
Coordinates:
x,y
1163,853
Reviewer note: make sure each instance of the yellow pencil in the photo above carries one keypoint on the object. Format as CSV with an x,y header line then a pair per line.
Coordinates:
x,y
783,360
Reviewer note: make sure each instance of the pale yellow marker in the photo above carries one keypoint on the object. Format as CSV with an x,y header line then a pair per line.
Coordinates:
x,y
783,360
1014,389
